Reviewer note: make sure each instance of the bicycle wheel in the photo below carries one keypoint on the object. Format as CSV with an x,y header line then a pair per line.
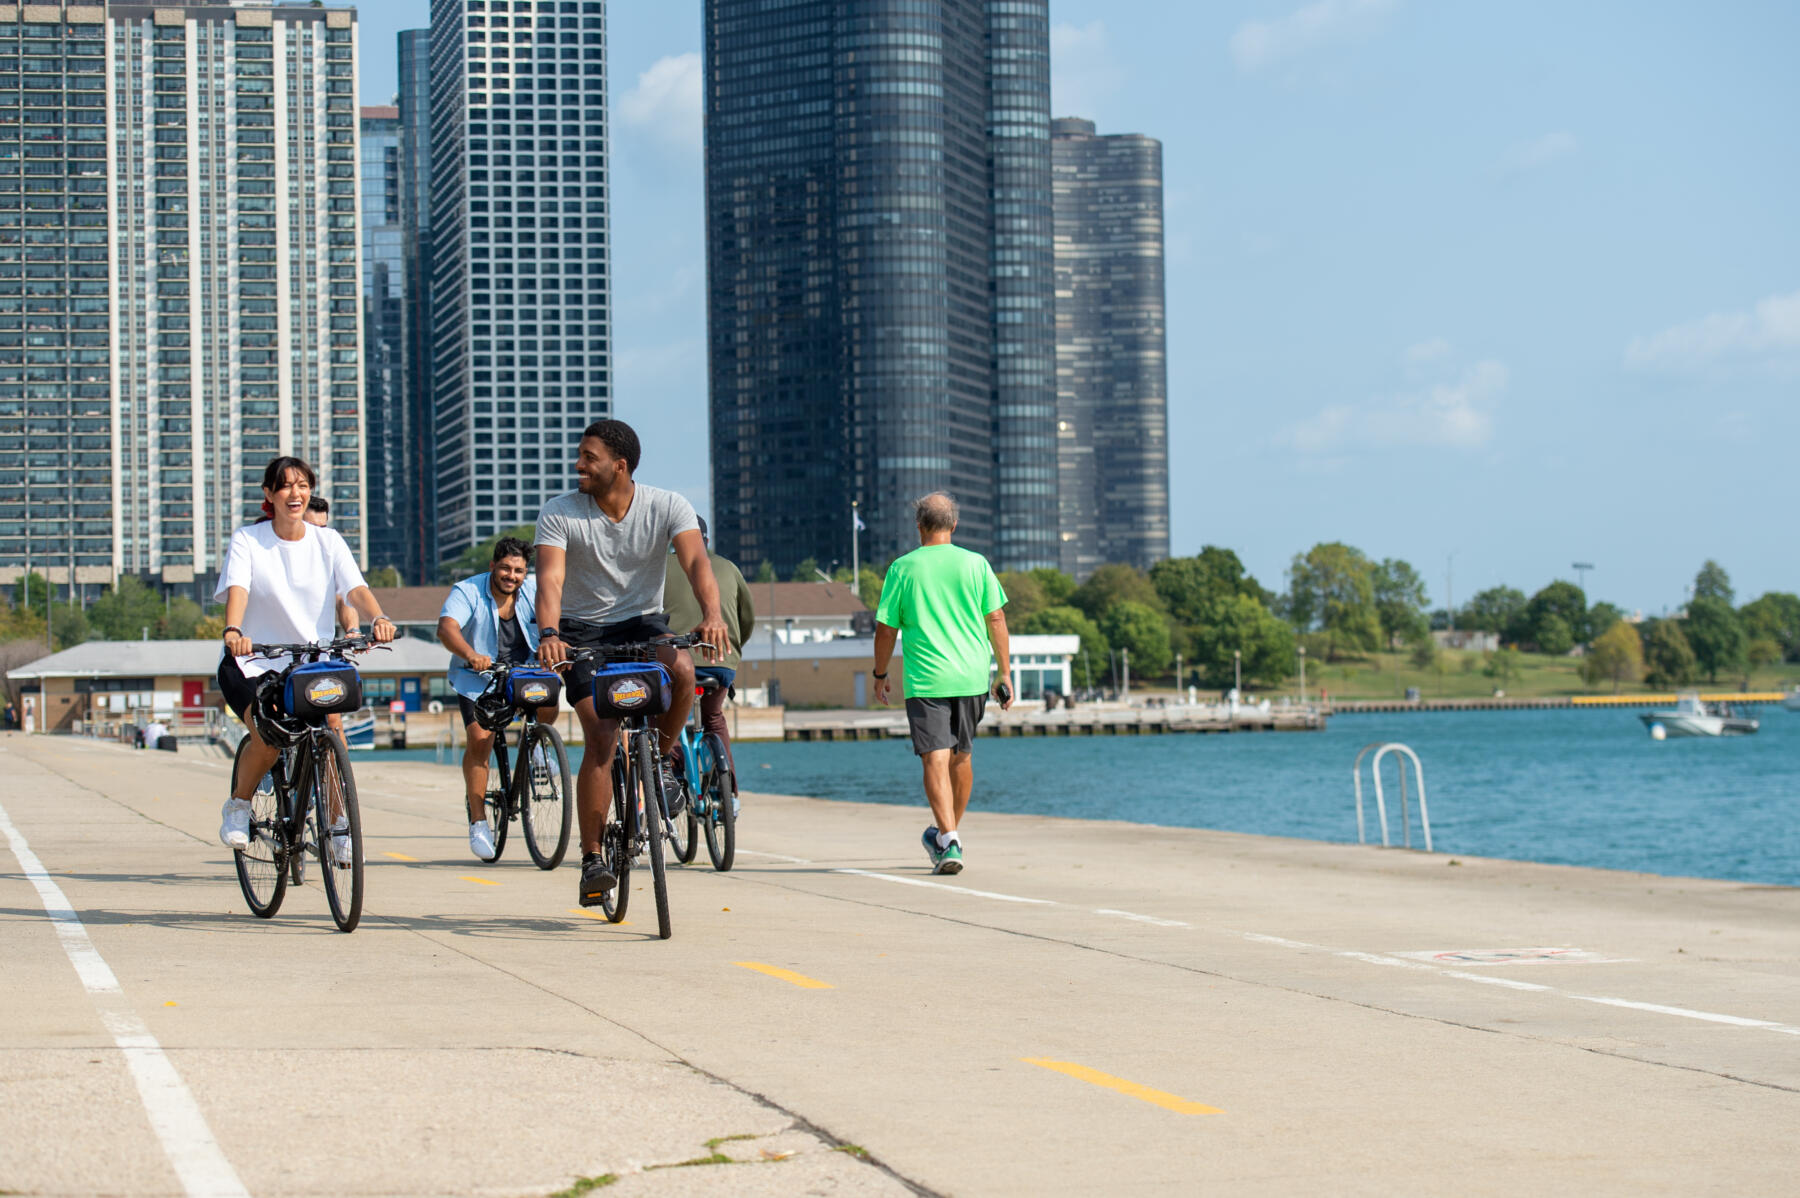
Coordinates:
x,y
681,833
334,800
719,781
617,844
261,868
495,800
655,820
543,790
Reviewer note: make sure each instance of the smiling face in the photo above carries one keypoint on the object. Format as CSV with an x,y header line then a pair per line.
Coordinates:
x,y
507,575
596,469
291,498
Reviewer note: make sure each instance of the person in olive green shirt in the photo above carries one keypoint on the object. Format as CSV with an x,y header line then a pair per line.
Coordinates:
x,y
740,622
951,608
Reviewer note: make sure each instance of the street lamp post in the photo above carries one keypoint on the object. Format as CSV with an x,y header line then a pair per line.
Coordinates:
x,y
1581,569
1237,673
1302,675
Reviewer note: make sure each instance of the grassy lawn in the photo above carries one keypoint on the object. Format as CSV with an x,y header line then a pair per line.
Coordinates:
x,y
1458,676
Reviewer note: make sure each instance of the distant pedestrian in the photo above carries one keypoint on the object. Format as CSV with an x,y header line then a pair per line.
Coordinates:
x,y
950,606
12,716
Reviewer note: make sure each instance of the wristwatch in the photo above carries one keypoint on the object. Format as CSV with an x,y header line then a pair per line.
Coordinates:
x,y
873,674
549,634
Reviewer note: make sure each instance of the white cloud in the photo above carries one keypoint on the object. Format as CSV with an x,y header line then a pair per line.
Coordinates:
x,y
1449,415
1770,328
1427,351
1538,153
1257,44
1082,69
665,103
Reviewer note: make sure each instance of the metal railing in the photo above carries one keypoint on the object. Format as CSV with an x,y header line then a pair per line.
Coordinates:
x,y
1382,749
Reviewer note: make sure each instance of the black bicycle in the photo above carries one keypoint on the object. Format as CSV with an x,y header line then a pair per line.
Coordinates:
x,y
632,686
538,794
312,809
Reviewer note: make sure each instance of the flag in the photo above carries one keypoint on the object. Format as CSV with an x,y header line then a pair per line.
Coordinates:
x,y
856,518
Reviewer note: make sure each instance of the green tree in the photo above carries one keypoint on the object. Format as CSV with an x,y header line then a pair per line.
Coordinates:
x,y
1716,635
1616,656
180,620
1066,621
1331,587
1399,601
1668,658
765,571
1423,653
1762,651
1601,617
1713,583
1502,666
1114,584
1188,585
1492,610
1775,616
30,591
1553,635
388,576
806,571
1059,588
1024,594
477,558
1563,600
1143,630
1237,622
71,625
125,610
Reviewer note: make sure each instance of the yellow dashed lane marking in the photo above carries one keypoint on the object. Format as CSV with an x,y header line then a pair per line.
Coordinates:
x,y
400,856
786,975
478,881
599,915
1161,1098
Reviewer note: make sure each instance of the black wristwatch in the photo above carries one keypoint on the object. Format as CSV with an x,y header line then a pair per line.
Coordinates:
x,y
872,672
549,634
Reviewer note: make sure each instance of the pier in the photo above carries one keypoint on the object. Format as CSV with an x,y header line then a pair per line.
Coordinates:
x,y
1108,719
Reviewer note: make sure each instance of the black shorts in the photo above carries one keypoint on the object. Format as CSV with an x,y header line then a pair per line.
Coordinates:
x,y
579,681
238,690
944,723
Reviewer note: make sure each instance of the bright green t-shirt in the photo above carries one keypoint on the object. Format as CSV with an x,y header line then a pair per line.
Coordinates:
x,y
939,596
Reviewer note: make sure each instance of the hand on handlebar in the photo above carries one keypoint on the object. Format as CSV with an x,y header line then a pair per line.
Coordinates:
x,y
552,653
712,630
481,663
239,645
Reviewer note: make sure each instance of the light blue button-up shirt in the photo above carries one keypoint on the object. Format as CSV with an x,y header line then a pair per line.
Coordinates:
x,y
472,606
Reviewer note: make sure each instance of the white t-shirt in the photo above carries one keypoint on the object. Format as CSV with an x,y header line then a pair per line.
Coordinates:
x,y
293,586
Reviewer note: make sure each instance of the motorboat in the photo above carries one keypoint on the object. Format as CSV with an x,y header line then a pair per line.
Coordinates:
x,y
1691,717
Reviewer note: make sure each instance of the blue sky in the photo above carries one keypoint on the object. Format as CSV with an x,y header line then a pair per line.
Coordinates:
x,y
1516,283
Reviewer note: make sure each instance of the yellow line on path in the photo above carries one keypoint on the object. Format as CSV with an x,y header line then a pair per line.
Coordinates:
x,y
786,975
599,915
478,881
1161,1098
400,856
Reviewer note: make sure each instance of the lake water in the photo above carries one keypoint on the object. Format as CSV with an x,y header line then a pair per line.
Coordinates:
x,y
1580,787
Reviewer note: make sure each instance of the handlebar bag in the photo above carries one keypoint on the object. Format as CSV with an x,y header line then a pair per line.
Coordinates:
x,y
532,687
629,688
317,689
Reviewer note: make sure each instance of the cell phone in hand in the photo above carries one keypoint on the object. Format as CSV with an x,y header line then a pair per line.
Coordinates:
x,y
1003,692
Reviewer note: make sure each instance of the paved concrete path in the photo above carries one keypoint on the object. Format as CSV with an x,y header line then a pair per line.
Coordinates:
x,y
1088,1009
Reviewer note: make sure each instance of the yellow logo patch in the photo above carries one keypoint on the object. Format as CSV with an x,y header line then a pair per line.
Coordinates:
x,y
326,692
628,692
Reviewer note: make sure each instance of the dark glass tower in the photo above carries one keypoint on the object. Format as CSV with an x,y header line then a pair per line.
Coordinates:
x,y
879,274
420,562
387,450
1111,349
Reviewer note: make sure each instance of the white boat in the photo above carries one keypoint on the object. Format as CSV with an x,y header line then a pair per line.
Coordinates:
x,y
1691,717
1792,702
359,730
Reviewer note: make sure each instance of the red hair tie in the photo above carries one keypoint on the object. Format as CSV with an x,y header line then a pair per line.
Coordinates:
x,y
268,508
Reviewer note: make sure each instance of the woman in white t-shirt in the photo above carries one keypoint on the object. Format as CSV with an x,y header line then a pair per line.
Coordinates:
x,y
281,583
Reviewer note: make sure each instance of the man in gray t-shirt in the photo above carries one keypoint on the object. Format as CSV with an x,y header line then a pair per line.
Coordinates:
x,y
600,570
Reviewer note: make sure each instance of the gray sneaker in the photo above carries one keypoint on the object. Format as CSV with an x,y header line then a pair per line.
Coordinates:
x,y
234,832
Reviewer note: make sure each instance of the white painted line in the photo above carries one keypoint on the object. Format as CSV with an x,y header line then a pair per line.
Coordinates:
x,y
1150,919
1005,898
175,1117
774,857
1511,984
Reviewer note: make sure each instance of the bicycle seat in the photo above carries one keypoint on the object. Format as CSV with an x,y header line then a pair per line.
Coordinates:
x,y
706,683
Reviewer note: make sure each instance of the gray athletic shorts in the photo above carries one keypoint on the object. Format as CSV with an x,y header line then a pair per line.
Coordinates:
x,y
944,723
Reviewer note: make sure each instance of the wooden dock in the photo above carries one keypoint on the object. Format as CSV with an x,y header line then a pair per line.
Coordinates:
x,y
1109,720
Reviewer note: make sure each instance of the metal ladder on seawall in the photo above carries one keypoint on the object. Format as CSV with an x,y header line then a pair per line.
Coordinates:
x,y
1382,749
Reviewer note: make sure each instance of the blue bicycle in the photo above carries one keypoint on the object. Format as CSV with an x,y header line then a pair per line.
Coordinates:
x,y
712,788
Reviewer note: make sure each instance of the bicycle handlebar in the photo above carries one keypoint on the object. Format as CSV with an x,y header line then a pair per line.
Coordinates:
x,y
635,648
343,644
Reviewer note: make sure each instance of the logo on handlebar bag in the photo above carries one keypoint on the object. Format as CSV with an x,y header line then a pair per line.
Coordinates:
x,y
326,692
628,692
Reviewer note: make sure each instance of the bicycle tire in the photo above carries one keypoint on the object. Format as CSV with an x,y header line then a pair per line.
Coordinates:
x,y
544,803
655,813
262,868
681,835
617,841
720,784
494,802
343,882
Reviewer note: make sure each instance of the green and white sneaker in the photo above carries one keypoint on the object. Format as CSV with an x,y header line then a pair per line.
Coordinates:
x,y
950,860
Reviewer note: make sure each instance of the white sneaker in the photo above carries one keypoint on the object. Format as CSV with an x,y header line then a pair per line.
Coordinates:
x,y
235,831
342,851
481,840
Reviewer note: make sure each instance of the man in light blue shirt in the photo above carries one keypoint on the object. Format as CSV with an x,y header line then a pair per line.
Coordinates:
x,y
489,618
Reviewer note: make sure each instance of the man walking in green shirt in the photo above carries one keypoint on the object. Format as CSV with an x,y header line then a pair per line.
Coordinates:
x,y
950,606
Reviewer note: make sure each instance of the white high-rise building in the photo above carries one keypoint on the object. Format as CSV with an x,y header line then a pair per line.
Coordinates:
x,y
521,271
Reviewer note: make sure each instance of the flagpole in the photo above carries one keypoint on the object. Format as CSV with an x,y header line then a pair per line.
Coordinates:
x,y
855,552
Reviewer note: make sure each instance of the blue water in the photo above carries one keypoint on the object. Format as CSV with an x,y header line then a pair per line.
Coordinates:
x,y
1584,787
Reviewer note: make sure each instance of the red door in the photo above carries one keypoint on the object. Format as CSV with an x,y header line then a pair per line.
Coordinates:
x,y
193,695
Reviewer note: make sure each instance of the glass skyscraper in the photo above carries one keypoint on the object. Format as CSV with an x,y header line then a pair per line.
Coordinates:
x,y
388,453
879,275
1111,349
414,47
521,276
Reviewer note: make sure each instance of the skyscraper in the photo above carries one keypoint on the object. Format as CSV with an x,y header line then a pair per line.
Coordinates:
x,y
879,274
521,280
414,47
220,205
388,451
1111,349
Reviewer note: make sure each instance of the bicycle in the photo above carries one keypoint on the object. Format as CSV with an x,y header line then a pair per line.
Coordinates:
x,y
711,785
631,686
543,763
312,809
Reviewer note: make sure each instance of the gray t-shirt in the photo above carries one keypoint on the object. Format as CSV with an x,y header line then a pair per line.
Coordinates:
x,y
614,570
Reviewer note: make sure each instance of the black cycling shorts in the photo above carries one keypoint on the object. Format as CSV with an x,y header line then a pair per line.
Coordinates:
x,y
238,690
579,680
